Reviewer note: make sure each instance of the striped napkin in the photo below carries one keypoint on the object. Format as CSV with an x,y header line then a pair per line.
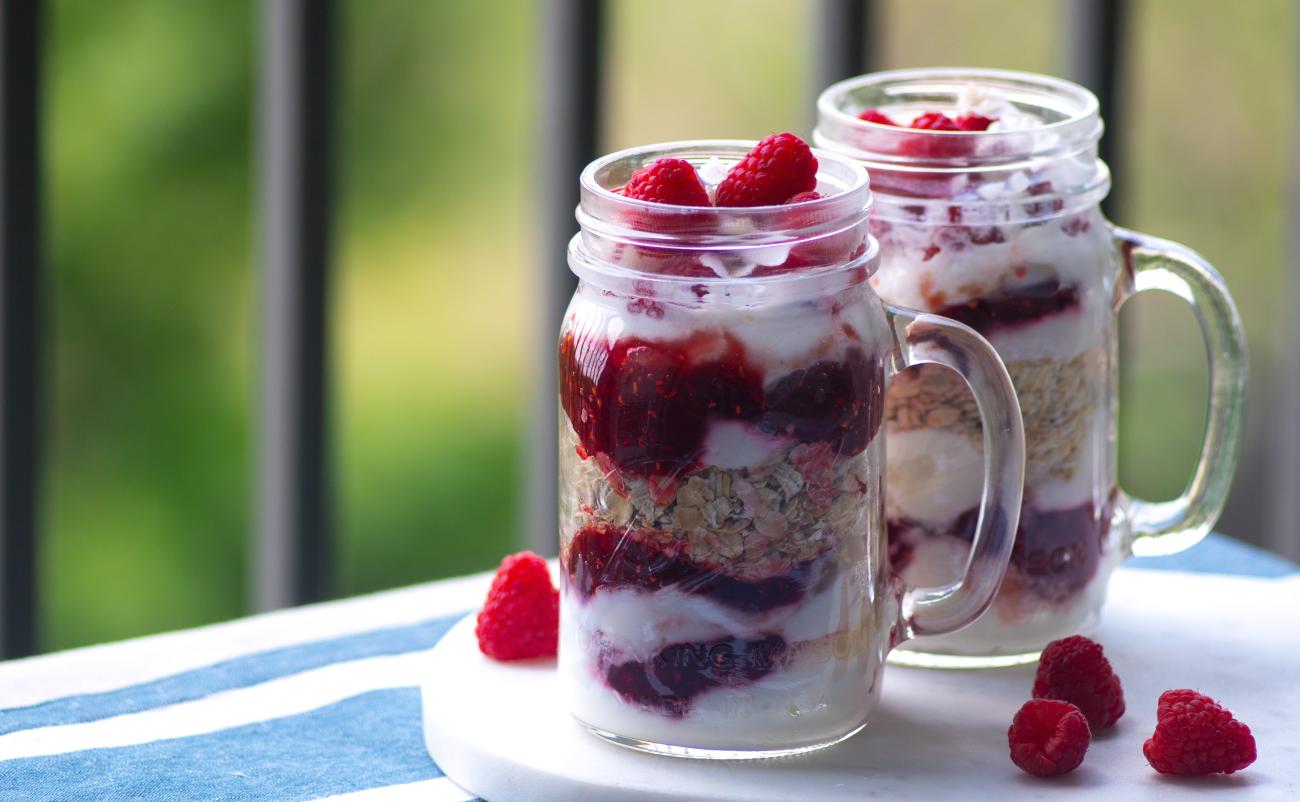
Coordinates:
x,y
318,702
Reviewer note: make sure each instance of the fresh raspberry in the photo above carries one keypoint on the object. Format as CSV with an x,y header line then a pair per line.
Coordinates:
x,y
1075,670
935,121
1194,736
925,146
778,168
671,181
1168,699
973,122
873,116
802,218
820,251
521,617
1048,737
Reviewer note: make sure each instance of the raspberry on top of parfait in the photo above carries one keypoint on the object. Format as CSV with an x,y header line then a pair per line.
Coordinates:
x,y
934,147
671,181
933,121
780,169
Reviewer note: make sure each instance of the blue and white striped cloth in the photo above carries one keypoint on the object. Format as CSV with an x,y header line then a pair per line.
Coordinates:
x,y
311,703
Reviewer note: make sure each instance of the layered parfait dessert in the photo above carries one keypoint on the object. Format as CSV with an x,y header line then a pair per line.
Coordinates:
x,y
986,211
721,378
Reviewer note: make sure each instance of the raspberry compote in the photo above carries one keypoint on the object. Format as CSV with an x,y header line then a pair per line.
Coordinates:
x,y
987,187
721,373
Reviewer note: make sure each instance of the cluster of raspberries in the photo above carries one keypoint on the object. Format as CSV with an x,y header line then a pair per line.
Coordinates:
x,y
927,147
933,121
780,169
1076,691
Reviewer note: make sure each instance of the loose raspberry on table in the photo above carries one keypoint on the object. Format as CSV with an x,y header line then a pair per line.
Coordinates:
x,y
1168,699
874,116
1076,670
521,617
778,168
671,181
1048,737
1195,735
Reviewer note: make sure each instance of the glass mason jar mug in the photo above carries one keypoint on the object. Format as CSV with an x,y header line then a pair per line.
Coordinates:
x,y
725,584
1001,229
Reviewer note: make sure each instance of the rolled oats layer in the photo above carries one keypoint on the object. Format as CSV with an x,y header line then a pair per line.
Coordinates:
x,y
749,523
1055,401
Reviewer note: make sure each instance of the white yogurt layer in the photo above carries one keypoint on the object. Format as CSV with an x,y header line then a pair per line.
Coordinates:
x,y
1061,336
936,560
955,275
779,336
735,444
786,709
1087,484
979,99
823,687
932,475
636,625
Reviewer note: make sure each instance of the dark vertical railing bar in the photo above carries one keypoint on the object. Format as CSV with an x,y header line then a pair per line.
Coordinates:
x,y
293,549
572,43
841,46
1095,44
20,320
1284,516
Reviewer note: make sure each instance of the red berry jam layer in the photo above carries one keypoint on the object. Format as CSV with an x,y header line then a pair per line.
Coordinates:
x,y
648,405
990,314
682,671
604,557
1057,552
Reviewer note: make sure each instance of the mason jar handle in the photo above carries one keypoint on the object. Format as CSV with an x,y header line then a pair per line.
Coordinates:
x,y
921,338
1150,263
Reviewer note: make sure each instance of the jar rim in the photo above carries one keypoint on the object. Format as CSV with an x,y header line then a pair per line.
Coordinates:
x,y
1070,113
609,220
852,178
1021,174
791,284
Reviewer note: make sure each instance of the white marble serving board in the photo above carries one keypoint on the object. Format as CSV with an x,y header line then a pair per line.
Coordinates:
x,y
499,730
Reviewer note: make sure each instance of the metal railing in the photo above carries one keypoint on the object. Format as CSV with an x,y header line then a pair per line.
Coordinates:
x,y
20,321
293,528
294,543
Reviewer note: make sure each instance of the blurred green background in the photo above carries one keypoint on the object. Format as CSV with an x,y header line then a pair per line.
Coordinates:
x,y
151,238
